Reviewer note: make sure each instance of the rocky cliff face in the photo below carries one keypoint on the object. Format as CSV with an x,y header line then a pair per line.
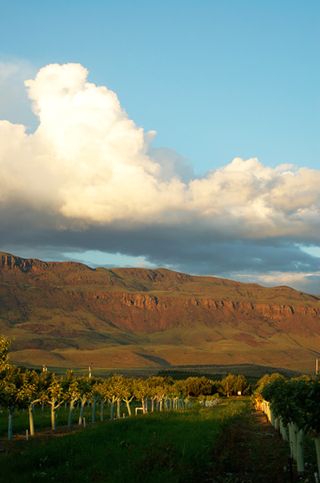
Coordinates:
x,y
150,313
10,262
58,308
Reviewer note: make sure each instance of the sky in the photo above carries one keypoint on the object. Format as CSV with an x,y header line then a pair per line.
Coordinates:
x,y
178,133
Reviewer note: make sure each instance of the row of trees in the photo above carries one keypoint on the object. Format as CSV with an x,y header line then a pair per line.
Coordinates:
x,y
293,407
25,389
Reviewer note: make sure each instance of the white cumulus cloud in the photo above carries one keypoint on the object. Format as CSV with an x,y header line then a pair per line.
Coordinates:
x,y
89,165
89,161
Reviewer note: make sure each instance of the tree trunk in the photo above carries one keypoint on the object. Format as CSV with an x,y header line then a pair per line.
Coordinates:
x,y
111,410
101,409
71,408
10,431
83,403
118,409
31,420
317,445
293,440
53,417
128,408
300,456
93,412
272,418
145,405
283,431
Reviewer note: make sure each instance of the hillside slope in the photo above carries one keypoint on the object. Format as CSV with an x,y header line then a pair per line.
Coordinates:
x,y
67,314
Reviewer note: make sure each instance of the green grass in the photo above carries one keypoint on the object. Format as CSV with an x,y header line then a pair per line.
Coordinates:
x,y
166,447
41,419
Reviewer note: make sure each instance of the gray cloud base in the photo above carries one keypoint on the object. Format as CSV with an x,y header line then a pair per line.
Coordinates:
x,y
184,248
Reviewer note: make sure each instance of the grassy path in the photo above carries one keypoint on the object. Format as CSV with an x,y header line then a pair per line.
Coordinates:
x,y
230,443
251,451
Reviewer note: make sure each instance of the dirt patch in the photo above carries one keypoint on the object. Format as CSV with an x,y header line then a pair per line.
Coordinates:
x,y
251,451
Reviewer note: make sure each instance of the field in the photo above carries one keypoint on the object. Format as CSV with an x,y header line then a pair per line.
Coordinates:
x,y
169,447
228,443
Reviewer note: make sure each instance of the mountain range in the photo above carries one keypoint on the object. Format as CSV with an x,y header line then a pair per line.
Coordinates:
x,y
66,314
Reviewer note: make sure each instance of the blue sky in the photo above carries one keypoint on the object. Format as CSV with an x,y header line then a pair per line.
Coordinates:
x,y
216,81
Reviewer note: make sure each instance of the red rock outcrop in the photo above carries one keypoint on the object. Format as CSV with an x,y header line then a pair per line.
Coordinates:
x,y
71,305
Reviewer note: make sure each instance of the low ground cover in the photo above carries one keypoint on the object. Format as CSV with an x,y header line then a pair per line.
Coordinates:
x,y
171,447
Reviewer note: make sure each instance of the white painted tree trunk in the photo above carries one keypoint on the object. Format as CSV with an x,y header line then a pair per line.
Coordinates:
x,y
300,455
31,420
112,410
272,418
317,445
293,440
93,410
53,417
145,405
83,403
71,408
268,411
128,408
10,431
283,431
101,409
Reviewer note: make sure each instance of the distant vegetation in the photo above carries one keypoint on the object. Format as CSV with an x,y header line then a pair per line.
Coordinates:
x,y
173,444
26,389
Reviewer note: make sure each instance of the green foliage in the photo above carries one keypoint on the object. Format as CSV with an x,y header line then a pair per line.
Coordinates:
x,y
196,386
233,384
71,389
4,349
267,379
295,400
85,388
12,389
